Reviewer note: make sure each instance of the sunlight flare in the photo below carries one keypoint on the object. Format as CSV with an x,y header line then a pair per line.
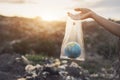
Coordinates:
x,y
49,17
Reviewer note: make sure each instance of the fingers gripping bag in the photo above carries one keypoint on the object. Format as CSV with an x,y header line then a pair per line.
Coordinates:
x,y
73,44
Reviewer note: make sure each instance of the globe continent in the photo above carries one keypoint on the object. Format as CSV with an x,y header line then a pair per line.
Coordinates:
x,y
72,50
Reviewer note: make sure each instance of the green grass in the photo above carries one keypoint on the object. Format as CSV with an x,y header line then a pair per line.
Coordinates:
x,y
36,59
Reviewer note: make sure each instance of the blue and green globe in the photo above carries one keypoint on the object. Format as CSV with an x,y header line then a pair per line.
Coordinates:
x,y
72,50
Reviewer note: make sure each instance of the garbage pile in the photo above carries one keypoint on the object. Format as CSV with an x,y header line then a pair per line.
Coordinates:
x,y
17,67
57,70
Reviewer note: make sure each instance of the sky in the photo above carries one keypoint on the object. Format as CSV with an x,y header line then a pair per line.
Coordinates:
x,y
57,9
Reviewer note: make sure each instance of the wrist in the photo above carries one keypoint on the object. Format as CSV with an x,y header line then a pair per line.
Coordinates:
x,y
92,15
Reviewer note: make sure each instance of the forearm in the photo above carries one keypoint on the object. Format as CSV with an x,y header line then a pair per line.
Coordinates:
x,y
109,25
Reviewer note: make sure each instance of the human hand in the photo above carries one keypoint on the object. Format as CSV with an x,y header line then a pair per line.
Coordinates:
x,y
84,14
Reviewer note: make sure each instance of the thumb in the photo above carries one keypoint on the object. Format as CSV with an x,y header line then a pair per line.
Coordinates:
x,y
84,16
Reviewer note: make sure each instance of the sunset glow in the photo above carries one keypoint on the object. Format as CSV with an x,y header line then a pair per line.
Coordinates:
x,y
49,17
54,9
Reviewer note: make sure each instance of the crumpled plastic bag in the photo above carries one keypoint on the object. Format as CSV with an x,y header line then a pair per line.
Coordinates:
x,y
73,44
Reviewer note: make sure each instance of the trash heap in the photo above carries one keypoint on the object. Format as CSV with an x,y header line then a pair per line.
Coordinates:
x,y
55,70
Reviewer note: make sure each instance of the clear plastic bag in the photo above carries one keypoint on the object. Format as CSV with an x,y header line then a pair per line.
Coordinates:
x,y
73,44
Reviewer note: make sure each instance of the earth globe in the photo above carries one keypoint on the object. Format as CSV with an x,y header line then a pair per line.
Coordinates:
x,y
72,50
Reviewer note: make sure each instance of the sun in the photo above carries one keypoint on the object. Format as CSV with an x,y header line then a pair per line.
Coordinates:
x,y
49,17
32,10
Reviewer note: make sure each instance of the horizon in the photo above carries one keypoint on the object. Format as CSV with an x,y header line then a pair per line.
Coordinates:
x,y
55,9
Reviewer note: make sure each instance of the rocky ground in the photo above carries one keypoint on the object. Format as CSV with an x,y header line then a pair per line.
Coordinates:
x,y
17,67
12,66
